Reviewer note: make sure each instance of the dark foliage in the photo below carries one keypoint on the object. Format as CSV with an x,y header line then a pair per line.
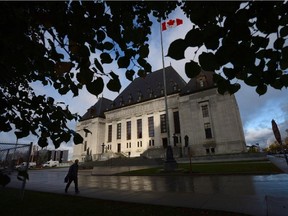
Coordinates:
x,y
53,43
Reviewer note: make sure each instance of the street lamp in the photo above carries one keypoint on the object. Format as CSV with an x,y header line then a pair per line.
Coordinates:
x,y
103,147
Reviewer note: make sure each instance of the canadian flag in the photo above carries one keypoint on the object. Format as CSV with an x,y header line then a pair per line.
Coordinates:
x,y
171,23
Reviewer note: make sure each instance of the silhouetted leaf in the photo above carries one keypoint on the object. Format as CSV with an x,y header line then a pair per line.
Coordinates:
x,y
252,80
194,38
96,87
277,84
100,35
22,133
260,41
192,69
144,51
63,90
208,62
113,75
114,83
261,89
63,67
106,58
284,31
278,44
4,125
85,76
123,62
177,48
98,65
211,36
129,74
141,73
212,43
108,45
42,142
233,88
230,73
77,139
284,80
284,57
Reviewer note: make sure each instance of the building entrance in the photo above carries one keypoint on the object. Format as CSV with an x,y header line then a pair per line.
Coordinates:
x,y
119,147
165,142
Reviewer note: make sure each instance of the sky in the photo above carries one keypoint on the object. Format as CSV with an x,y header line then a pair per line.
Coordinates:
x,y
256,111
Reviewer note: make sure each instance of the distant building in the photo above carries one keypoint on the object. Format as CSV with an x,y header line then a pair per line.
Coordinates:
x,y
201,121
56,155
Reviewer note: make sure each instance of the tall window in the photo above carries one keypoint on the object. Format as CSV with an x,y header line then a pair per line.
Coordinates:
x,y
151,126
128,130
109,133
128,144
119,131
205,112
163,125
139,128
208,130
176,122
139,144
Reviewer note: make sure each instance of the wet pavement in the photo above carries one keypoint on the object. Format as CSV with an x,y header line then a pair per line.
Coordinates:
x,y
249,194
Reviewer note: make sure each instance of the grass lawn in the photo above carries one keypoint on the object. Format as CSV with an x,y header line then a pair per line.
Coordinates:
x,y
216,168
42,204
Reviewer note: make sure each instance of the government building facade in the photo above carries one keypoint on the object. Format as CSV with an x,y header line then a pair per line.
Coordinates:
x,y
200,120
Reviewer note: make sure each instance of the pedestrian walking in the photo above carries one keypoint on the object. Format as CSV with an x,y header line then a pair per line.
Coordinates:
x,y
72,176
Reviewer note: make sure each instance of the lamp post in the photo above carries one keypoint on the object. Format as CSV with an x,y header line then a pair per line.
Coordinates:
x,y
103,146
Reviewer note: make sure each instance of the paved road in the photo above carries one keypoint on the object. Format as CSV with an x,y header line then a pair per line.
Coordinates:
x,y
249,194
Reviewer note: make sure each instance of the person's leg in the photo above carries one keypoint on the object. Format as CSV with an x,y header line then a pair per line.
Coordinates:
x,y
68,184
76,185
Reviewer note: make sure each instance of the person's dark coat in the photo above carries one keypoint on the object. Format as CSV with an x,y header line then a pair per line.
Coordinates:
x,y
73,171
4,179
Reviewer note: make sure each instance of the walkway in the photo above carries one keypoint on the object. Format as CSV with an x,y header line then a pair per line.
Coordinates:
x,y
253,195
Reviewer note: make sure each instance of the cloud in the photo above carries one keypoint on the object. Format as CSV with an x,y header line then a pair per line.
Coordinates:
x,y
258,135
252,105
258,111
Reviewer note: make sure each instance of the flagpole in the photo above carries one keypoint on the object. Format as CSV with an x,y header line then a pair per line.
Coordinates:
x,y
164,85
170,163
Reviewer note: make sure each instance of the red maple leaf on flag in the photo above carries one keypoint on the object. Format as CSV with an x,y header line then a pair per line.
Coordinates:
x,y
171,23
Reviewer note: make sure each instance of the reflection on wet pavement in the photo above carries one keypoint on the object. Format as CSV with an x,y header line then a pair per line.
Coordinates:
x,y
252,195
214,184
265,195
246,185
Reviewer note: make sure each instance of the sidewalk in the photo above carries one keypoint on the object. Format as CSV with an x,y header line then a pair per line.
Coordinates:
x,y
279,161
251,195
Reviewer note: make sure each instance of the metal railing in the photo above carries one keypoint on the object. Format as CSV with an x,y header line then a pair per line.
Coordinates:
x,y
12,154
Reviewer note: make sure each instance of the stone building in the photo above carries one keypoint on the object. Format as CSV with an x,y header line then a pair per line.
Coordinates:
x,y
201,121
55,155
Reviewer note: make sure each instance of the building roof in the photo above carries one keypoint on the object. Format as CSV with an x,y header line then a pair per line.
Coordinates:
x,y
150,87
202,81
98,109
